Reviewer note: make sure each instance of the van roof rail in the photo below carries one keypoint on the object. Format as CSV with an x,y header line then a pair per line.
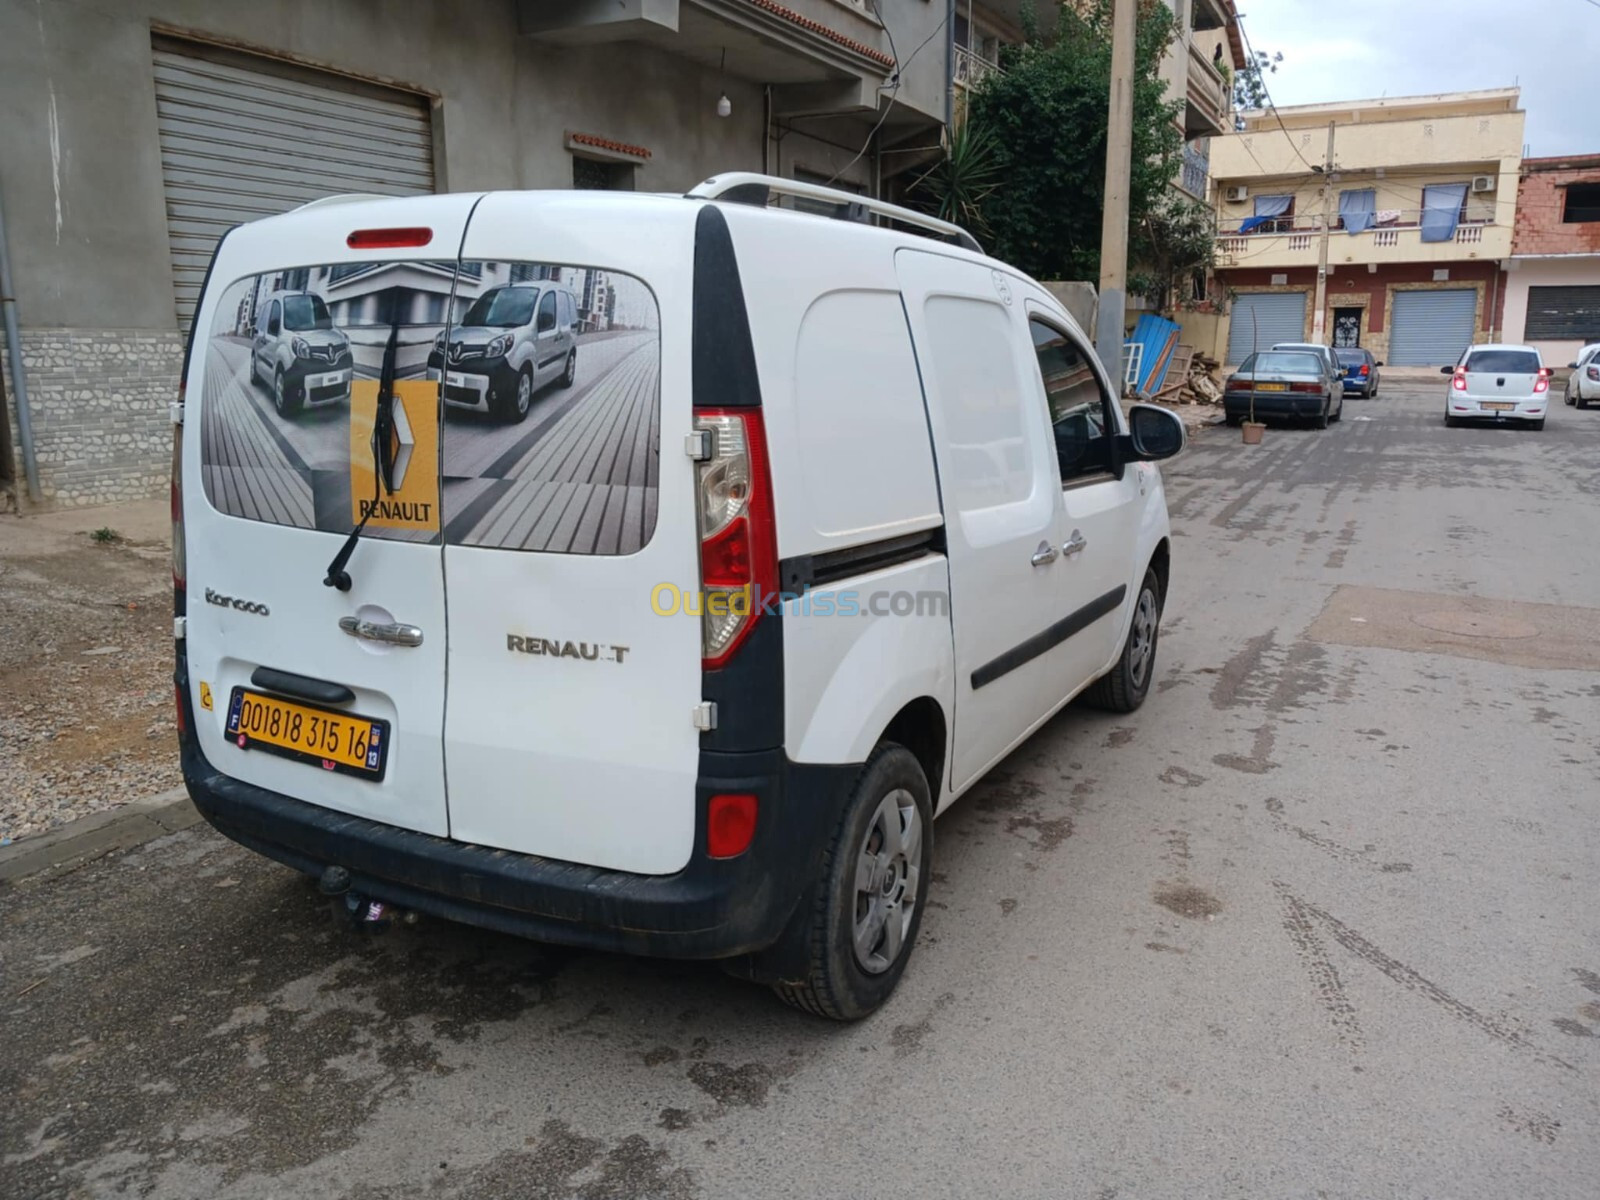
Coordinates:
x,y
340,198
749,187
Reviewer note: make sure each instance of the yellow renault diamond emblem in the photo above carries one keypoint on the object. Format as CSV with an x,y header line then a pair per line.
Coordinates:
x,y
401,443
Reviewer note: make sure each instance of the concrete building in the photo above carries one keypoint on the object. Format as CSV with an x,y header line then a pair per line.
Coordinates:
x,y
1415,197
136,133
1553,285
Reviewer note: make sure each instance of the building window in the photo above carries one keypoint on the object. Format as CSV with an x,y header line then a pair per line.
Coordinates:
x,y
1583,204
592,175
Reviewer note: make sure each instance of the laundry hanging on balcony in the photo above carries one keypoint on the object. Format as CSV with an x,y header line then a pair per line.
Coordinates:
x,y
1387,216
1358,209
1441,210
1267,207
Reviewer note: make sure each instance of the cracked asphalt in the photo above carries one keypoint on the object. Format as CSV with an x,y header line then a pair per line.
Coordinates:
x,y
1318,921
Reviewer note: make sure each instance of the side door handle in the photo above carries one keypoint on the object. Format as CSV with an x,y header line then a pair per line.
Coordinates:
x,y
1075,544
382,631
1044,555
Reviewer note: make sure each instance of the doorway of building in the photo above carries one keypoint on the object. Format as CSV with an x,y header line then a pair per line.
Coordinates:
x,y
1347,327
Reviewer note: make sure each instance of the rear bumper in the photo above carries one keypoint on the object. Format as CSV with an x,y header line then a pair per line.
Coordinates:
x,y
711,909
1469,408
1357,384
1274,404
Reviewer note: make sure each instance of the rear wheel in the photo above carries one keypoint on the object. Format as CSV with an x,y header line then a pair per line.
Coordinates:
x,y
1232,419
1124,687
865,909
1320,421
571,372
1451,422
1537,425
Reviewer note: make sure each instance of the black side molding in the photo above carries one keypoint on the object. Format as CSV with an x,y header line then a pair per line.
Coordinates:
x,y
1049,638
821,570
302,687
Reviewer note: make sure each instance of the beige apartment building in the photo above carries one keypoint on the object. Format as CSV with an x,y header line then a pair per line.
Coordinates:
x,y
1410,201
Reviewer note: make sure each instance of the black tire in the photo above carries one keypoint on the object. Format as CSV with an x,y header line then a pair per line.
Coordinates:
x,y
1537,425
1450,422
1570,401
836,983
1582,403
255,378
513,409
287,405
1338,413
1320,421
1124,687
1232,420
570,374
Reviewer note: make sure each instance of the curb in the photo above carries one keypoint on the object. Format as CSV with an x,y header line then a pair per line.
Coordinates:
x,y
98,834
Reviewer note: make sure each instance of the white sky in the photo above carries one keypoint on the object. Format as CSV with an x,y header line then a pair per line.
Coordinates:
x,y
1355,49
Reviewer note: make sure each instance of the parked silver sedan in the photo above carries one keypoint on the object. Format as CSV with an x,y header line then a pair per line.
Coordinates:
x,y
1283,383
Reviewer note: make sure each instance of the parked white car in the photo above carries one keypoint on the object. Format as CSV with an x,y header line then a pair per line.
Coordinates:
x,y
1583,385
1498,383
911,441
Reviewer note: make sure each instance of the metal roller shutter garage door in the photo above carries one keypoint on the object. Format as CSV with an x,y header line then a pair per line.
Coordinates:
x,y
1566,314
1431,329
244,138
1262,319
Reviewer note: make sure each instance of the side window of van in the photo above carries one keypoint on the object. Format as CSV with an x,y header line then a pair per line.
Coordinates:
x,y
1080,410
272,319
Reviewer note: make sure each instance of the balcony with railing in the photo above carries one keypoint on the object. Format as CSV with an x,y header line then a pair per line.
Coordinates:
x,y
1291,241
969,68
1205,111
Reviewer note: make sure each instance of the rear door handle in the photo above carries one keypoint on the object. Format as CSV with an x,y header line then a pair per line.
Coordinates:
x,y
382,631
1074,544
1044,555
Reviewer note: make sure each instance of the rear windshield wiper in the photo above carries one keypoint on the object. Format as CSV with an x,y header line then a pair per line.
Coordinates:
x,y
382,461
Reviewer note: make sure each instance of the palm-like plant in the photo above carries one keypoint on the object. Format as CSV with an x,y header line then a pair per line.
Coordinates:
x,y
955,187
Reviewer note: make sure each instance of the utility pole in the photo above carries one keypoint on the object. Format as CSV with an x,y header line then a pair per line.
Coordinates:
x,y
1113,304
1318,319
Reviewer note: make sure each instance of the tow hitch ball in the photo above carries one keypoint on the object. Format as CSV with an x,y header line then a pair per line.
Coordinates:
x,y
353,908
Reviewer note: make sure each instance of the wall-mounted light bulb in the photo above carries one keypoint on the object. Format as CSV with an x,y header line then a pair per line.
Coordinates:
x,y
724,105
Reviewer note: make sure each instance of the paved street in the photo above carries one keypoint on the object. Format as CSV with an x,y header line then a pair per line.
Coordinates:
x,y
1318,921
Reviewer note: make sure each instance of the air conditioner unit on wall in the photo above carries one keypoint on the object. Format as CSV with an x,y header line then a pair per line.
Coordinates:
x,y
1237,193
1483,183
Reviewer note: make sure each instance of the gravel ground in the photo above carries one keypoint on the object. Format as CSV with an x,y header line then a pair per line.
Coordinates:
x,y
85,666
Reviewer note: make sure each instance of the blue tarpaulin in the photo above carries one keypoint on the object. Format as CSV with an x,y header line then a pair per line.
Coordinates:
x,y
1267,207
1441,210
1358,209
1159,337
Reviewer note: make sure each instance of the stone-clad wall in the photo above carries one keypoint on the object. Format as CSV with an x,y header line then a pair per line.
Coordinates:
x,y
99,400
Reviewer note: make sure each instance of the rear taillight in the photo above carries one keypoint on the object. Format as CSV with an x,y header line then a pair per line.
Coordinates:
x,y
1541,384
1236,384
1306,387
730,824
1459,381
738,540
180,574
1365,369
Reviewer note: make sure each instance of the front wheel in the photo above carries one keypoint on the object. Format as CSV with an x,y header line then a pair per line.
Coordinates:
x,y
286,403
1124,687
514,408
866,907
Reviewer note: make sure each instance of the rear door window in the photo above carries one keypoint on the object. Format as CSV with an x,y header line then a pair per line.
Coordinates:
x,y
1510,362
1277,362
578,472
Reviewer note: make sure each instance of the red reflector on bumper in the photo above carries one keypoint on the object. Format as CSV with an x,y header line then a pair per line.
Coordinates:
x,y
730,824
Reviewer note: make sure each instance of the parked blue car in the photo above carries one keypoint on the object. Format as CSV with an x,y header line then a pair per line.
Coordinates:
x,y
1359,370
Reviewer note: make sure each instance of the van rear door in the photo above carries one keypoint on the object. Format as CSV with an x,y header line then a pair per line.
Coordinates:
x,y
330,696
569,729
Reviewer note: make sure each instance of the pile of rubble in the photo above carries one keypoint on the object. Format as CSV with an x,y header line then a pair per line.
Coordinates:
x,y
1192,379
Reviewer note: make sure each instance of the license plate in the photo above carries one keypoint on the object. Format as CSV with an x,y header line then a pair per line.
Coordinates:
x,y
1272,387
330,379
1496,405
455,379
330,739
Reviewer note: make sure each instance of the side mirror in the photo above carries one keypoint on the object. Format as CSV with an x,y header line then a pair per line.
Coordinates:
x,y
1447,370
1572,366
1154,433
1377,362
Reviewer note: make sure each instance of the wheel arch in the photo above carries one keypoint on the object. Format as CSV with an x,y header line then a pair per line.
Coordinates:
x,y
922,728
1161,564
